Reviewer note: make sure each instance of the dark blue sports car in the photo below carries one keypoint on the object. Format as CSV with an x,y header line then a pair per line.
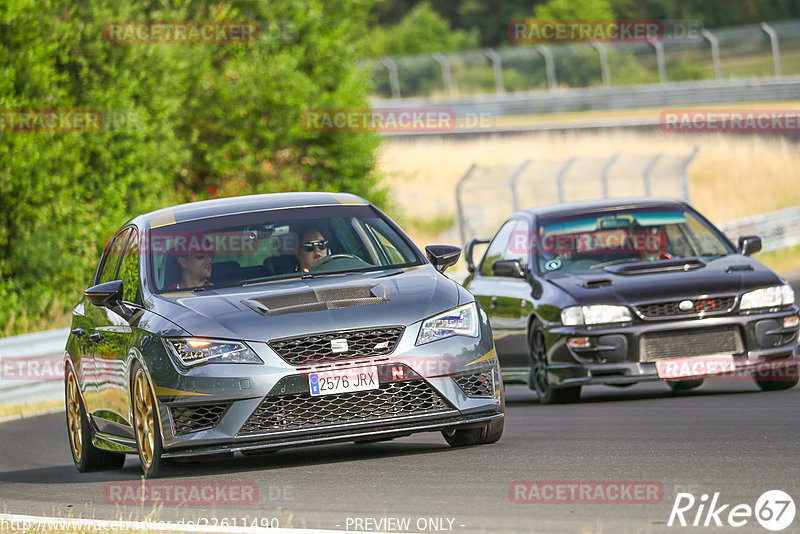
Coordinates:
x,y
621,291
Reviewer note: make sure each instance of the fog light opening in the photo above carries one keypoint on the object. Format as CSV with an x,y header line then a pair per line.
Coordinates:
x,y
579,342
791,321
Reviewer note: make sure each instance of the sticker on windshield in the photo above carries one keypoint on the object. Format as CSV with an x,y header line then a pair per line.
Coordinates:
x,y
553,265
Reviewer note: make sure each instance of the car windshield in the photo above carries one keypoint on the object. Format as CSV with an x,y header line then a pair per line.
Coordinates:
x,y
255,247
594,240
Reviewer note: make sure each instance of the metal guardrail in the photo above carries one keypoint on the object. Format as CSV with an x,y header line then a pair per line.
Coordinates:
x,y
675,94
777,230
721,53
38,345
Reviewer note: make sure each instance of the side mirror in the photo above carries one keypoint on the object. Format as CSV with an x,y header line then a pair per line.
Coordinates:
x,y
468,252
749,245
510,268
108,294
442,256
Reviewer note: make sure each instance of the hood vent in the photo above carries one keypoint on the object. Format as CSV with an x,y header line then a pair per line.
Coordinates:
x,y
664,266
738,268
308,300
602,282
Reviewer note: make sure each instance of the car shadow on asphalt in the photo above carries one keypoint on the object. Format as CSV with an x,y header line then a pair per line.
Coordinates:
x,y
220,465
521,396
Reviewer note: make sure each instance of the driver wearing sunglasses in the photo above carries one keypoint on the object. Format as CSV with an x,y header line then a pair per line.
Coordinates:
x,y
195,270
313,247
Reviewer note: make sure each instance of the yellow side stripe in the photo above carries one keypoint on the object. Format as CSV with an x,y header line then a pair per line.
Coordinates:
x,y
167,391
488,356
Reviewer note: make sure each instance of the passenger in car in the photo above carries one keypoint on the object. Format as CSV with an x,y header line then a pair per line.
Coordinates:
x,y
195,270
313,247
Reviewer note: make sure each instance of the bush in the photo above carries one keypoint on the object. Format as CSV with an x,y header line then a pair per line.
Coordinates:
x,y
206,120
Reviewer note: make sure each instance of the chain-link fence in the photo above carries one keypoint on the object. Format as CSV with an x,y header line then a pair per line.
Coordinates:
x,y
763,50
487,194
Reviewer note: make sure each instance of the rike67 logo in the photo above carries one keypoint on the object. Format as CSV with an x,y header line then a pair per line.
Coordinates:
x,y
774,510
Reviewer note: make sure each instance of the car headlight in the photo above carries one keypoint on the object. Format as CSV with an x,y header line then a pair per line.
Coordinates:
x,y
768,297
596,314
193,351
461,321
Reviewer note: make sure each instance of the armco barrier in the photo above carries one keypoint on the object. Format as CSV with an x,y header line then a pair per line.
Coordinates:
x,y
777,229
36,345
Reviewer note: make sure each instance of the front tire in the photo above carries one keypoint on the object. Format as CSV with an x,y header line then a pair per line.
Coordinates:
x,y
482,435
539,380
777,379
684,385
85,455
147,425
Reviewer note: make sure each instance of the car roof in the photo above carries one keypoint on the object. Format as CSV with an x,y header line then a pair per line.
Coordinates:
x,y
575,208
245,204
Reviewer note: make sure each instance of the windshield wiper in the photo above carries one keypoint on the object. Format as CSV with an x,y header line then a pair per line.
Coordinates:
x,y
615,262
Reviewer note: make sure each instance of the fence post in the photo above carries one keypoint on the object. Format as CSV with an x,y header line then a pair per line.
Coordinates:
x,y
647,171
394,81
560,178
662,64
494,57
549,65
773,40
714,53
605,171
514,178
459,202
685,175
605,70
447,76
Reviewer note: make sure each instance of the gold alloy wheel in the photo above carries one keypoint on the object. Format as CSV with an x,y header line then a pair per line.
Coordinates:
x,y
74,417
143,413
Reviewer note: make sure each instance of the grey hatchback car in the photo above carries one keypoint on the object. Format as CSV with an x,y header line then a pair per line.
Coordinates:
x,y
255,323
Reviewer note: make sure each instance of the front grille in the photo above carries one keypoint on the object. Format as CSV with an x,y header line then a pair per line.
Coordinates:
x,y
688,343
476,384
671,308
301,410
187,419
317,348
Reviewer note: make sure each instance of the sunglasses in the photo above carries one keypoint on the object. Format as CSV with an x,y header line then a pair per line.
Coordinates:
x,y
203,256
322,244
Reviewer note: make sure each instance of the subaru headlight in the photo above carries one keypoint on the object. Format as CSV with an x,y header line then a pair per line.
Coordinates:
x,y
768,297
194,351
461,321
595,314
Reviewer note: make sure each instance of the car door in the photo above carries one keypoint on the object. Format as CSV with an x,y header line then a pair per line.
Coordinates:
x,y
107,333
501,296
511,304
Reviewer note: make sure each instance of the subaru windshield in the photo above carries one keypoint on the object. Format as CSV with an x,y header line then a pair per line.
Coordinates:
x,y
593,240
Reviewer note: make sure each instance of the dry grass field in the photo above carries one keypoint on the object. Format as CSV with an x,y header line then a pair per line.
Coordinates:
x,y
732,176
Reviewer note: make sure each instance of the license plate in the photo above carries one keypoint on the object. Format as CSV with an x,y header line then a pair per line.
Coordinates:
x,y
696,366
343,380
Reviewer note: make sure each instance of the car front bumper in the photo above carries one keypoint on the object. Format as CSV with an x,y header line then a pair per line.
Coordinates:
x,y
618,355
250,407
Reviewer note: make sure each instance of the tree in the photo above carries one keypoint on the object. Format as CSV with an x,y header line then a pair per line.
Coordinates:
x,y
199,120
